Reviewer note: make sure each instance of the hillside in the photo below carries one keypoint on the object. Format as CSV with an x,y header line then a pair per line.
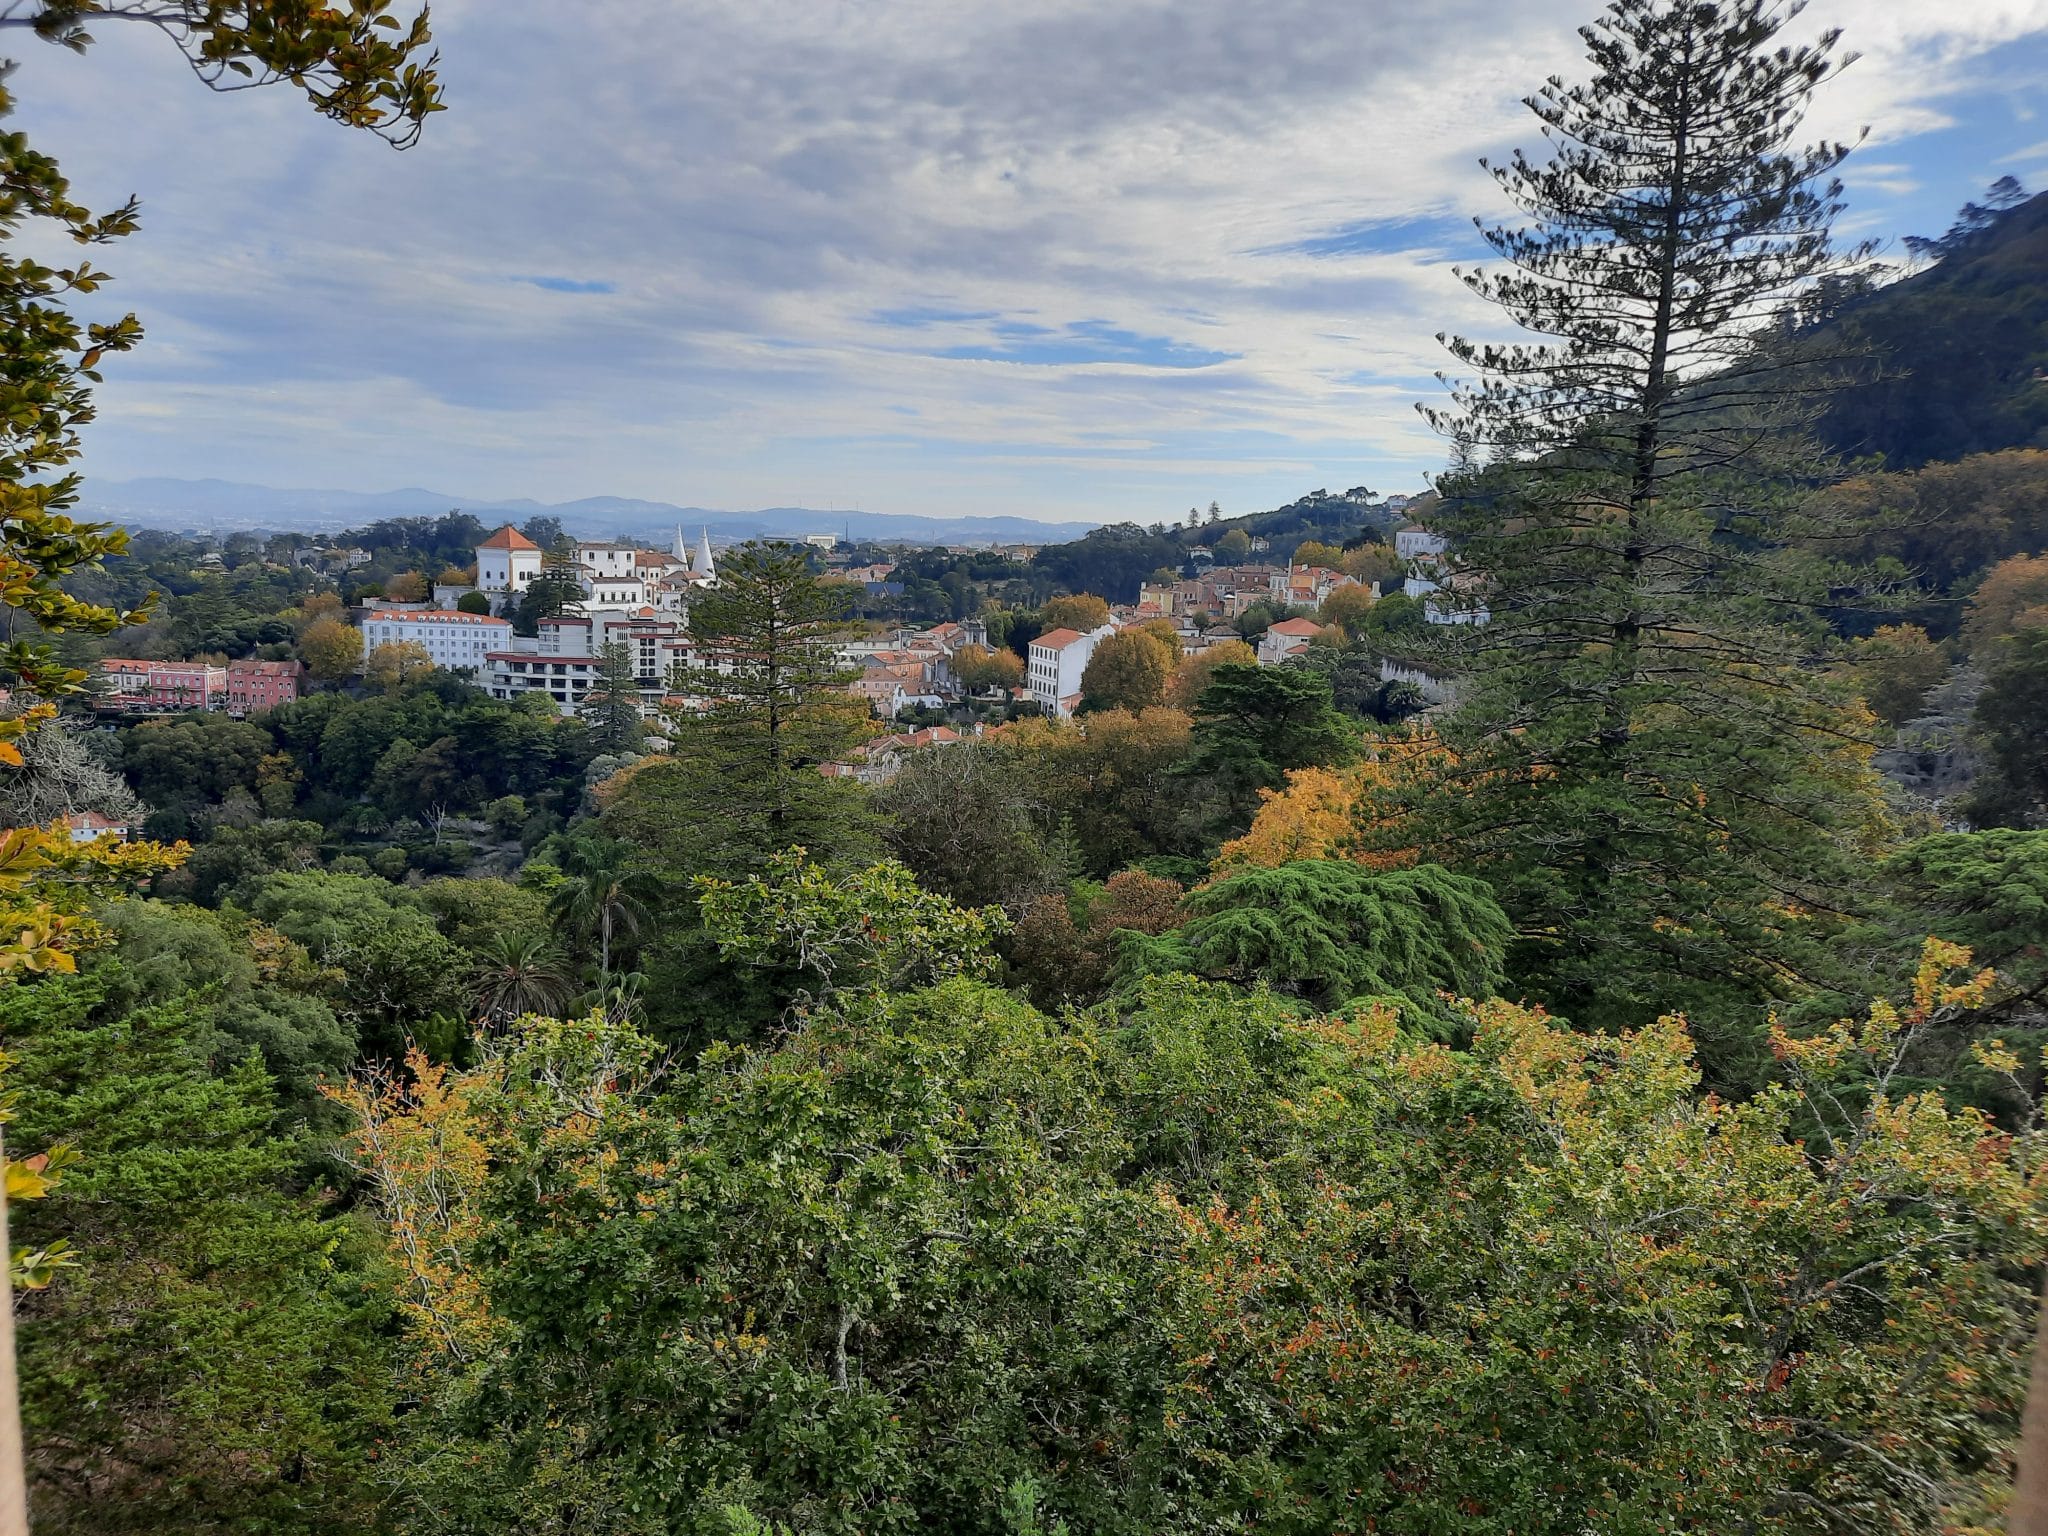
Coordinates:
x,y
1966,343
1112,561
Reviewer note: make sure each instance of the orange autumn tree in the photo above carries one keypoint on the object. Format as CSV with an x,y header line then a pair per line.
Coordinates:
x,y
1320,812
1198,667
417,1137
2012,596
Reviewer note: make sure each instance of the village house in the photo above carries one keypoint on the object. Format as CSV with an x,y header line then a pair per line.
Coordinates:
x,y
1307,586
92,827
1290,637
610,573
507,563
1226,591
880,760
1447,596
254,686
565,661
1157,600
1058,658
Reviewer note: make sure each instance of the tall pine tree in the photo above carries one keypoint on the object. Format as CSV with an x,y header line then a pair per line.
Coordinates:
x,y
768,708
1653,773
613,704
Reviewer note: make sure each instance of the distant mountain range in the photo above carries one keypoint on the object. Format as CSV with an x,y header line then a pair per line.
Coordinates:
x,y
230,506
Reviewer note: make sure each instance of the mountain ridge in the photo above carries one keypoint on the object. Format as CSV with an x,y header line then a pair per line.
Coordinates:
x,y
169,502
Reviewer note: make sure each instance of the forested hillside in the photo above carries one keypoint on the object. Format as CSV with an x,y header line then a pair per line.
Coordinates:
x,y
1961,346
1558,1048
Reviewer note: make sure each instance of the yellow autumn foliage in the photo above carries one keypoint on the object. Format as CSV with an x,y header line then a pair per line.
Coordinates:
x,y
1321,812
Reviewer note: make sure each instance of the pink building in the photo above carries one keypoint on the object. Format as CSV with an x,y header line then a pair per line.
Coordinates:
x,y
254,686
144,686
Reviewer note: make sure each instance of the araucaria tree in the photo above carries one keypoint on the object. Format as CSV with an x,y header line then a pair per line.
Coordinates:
x,y
613,705
768,706
1651,770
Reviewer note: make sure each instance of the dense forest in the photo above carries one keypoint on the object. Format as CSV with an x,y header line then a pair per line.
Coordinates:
x,y
1603,1096
1958,352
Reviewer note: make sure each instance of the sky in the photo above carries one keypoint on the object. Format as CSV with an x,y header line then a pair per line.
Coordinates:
x,y
1064,259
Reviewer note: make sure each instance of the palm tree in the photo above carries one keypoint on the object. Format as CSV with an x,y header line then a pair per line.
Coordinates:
x,y
518,973
602,898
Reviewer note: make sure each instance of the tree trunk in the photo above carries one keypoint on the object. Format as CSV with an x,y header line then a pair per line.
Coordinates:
x,y
2029,1513
13,1469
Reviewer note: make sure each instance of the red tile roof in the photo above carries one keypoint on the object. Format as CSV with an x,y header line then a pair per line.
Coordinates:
x,y
93,821
434,616
1057,639
508,537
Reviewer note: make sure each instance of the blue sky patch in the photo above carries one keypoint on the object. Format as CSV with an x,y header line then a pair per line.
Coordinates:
x,y
569,284
1085,341
918,317
1368,237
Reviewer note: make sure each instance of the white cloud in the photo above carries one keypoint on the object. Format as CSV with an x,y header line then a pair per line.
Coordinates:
x,y
756,183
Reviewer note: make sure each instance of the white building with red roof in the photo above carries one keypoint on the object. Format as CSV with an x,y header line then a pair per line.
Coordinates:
x,y
507,562
1290,637
1058,658
566,660
91,826
453,640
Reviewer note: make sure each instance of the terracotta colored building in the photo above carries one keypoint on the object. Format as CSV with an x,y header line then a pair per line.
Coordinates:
x,y
254,686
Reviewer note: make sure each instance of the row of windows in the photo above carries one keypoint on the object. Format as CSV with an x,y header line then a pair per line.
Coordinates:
x,y
418,631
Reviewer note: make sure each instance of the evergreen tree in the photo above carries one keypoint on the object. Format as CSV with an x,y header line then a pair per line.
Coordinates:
x,y
772,708
613,705
1654,773
1332,932
2012,726
213,1360
740,782
545,596
1254,725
